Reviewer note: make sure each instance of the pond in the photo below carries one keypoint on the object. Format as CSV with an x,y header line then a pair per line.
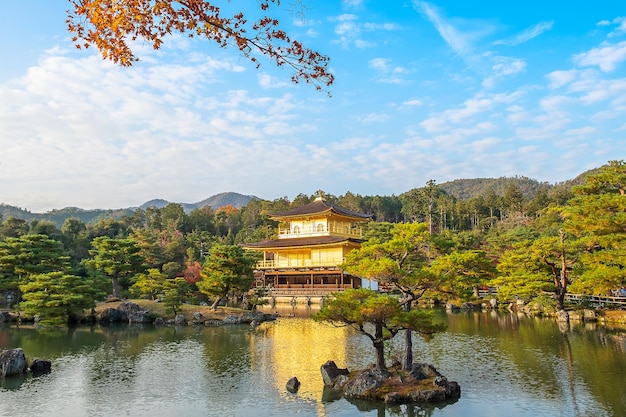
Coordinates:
x,y
506,365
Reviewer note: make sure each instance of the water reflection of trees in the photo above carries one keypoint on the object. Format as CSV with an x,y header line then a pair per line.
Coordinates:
x,y
399,410
572,363
228,352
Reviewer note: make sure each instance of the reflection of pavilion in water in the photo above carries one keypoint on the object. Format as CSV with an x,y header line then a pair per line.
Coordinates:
x,y
298,347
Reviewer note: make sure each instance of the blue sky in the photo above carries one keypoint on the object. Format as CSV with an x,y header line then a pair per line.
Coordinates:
x,y
437,90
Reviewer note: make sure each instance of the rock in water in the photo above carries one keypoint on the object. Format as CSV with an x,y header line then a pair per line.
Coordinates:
x,y
12,362
330,372
40,366
293,385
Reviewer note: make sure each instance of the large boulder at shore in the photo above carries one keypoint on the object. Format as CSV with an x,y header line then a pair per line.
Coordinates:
x,y
133,312
125,312
112,315
248,317
12,362
422,384
180,320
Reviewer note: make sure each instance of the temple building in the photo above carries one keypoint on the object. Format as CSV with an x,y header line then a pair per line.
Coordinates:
x,y
312,243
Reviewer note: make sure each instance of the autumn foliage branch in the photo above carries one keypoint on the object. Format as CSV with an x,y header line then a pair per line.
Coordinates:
x,y
110,25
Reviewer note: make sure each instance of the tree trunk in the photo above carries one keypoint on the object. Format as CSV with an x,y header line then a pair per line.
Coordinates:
x,y
379,345
563,280
407,362
116,287
216,303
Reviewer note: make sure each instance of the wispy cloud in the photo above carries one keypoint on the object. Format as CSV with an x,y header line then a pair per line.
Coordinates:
x,y
268,81
457,40
374,118
414,102
503,67
478,104
527,34
386,72
351,31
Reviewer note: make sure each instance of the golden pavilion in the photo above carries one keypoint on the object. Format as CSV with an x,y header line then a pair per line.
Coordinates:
x,y
305,259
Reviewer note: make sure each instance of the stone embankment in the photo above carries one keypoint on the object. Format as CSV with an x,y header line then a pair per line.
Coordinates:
x,y
130,312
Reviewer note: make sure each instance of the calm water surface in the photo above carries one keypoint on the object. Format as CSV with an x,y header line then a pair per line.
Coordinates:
x,y
507,365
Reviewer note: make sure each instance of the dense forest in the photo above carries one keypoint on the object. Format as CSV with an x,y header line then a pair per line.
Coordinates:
x,y
524,237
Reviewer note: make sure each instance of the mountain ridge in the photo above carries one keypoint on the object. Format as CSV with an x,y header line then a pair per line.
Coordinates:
x,y
58,216
461,189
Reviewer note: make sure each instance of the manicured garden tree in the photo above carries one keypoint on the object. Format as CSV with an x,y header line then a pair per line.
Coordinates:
x,y
117,259
58,298
175,292
400,262
149,284
532,267
377,316
13,227
227,269
27,255
463,272
597,217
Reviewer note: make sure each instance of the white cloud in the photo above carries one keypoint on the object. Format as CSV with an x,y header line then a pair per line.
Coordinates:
x,y
103,134
582,131
351,31
414,102
486,144
607,57
619,21
478,104
268,81
559,79
374,118
386,72
352,3
504,67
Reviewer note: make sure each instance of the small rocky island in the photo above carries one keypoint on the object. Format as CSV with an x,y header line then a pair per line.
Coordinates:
x,y
422,384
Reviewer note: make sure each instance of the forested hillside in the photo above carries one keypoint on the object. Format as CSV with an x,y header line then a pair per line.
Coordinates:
x,y
464,189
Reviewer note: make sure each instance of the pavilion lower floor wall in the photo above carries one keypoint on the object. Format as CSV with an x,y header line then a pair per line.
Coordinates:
x,y
308,279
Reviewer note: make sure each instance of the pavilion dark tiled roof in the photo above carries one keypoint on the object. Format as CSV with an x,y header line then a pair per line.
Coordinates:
x,y
319,206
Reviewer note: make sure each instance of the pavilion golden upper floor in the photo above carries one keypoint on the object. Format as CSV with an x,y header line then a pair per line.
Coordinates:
x,y
312,243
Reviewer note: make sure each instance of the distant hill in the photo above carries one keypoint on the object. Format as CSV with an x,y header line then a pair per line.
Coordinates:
x,y
464,189
218,200
225,199
58,216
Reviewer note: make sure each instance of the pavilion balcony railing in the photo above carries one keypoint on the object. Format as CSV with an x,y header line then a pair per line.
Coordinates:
x,y
298,263
320,230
